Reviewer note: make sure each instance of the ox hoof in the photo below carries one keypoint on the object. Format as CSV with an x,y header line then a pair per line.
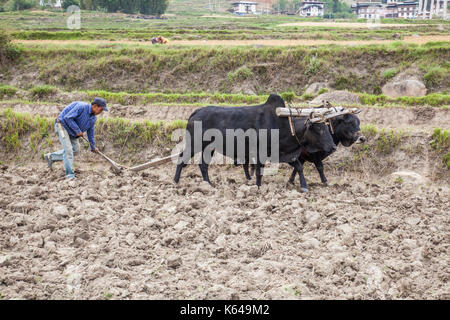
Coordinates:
x,y
304,190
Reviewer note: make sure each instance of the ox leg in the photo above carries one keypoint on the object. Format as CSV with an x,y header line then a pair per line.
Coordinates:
x,y
180,166
293,174
294,171
247,174
204,168
319,167
258,175
303,184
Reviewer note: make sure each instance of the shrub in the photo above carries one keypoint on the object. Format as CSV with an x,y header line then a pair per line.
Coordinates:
x,y
8,51
390,73
434,76
40,92
240,74
68,3
313,65
288,96
7,91
16,5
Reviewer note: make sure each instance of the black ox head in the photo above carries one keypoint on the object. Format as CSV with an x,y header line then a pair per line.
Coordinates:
x,y
318,138
346,130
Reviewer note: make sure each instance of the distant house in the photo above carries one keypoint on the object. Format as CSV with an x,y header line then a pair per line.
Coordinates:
x,y
244,7
391,9
407,9
51,3
367,10
311,9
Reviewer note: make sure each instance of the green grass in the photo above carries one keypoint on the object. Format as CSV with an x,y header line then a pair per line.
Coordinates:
x,y
49,97
433,99
134,68
16,125
435,76
241,74
131,137
390,73
7,91
440,141
40,92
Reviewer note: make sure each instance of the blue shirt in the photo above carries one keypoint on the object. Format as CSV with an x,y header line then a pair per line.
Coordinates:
x,y
76,118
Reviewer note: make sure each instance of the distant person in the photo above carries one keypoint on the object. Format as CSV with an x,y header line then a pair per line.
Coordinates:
x,y
76,118
160,40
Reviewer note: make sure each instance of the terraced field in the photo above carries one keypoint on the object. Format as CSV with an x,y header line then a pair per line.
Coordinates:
x,y
378,230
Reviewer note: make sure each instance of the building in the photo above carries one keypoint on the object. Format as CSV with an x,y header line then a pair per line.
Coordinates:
x,y
391,9
432,9
51,3
407,10
311,9
244,7
367,10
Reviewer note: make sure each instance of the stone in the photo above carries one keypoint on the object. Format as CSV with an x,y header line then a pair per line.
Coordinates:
x,y
315,87
4,261
180,225
410,88
311,243
410,177
60,211
174,261
312,217
336,97
345,228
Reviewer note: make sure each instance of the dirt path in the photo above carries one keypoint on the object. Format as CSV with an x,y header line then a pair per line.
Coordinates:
x,y
274,42
142,237
414,119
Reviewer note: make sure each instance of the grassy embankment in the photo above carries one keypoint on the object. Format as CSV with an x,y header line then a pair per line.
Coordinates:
x,y
251,70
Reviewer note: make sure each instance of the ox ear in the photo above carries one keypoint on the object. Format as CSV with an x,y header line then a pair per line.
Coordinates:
x,y
338,118
308,124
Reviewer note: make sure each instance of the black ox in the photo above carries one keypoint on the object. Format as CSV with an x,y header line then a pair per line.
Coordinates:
x,y
345,130
312,137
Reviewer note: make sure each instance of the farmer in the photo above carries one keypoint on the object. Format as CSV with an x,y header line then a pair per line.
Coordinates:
x,y
75,119
160,40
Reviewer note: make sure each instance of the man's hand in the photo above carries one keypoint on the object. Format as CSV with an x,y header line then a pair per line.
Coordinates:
x,y
95,150
80,134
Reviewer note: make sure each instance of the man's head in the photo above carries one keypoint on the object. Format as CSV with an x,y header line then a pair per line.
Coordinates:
x,y
98,106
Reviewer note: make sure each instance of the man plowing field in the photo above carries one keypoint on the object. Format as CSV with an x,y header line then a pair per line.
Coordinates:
x,y
72,122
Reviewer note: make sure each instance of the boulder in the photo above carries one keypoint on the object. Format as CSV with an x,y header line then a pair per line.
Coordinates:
x,y
337,97
315,87
410,88
410,177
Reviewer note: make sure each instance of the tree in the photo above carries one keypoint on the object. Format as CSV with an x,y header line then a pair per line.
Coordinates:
x,y
129,6
15,5
68,3
156,7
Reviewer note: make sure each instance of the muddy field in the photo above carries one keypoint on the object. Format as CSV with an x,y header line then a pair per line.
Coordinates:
x,y
141,236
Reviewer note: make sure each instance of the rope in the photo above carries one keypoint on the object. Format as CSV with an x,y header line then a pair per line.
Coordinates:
x,y
291,124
